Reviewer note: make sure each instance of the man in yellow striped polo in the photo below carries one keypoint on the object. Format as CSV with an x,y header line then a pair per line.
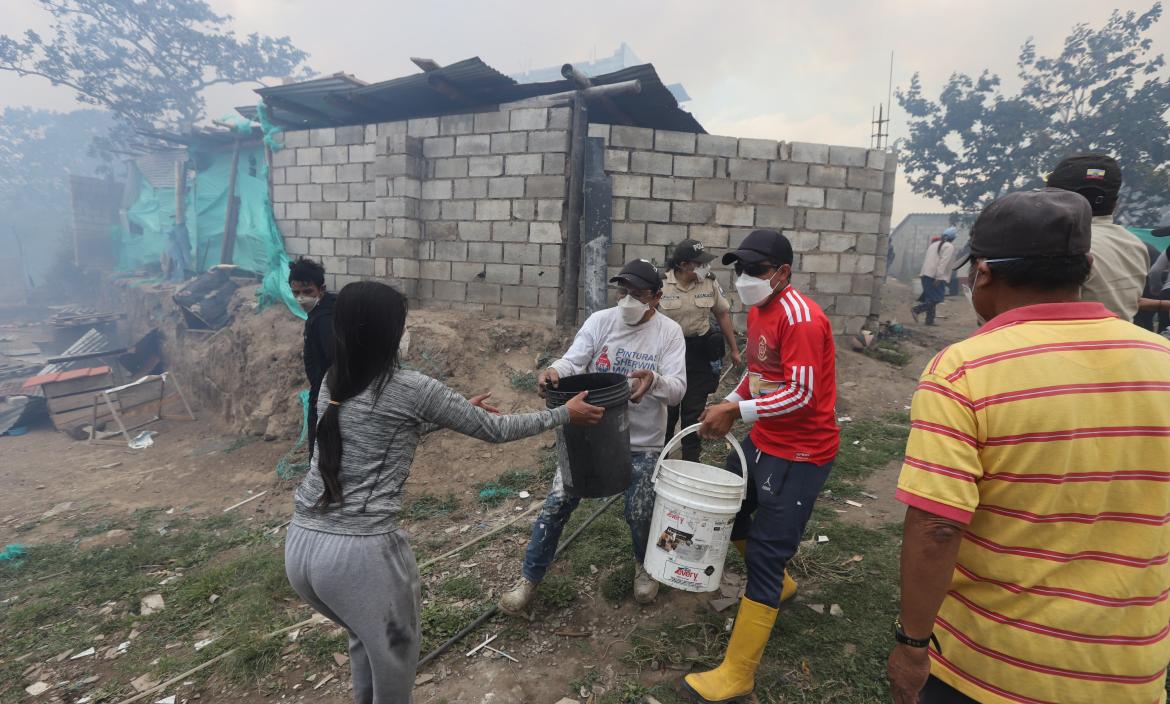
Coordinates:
x,y
1037,479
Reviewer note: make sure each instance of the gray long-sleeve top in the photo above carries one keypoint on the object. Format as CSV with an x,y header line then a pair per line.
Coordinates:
x,y
378,440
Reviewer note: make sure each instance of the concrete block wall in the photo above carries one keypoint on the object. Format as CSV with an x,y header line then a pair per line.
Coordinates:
x,y
832,202
460,211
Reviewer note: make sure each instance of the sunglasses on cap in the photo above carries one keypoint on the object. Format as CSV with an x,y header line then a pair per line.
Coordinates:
x,y
757,269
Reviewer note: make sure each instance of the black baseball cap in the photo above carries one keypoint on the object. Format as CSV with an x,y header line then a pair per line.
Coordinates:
x,y
691,251
639,274
761,245
1049,222
1097,177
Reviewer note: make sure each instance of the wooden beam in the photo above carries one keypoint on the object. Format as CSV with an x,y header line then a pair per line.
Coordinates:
x,y
231,219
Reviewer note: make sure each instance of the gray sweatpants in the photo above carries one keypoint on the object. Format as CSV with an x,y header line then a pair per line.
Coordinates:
x,y
368,585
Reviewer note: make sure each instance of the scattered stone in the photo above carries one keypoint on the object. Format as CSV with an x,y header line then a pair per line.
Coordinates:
x,y
213,598
62,656
854,504
293,635
819,608
721,605
340,659
166,700
58,509
423,679
822,539
90,680
116,536
835,610
592,569
143,683
524,495
200,645
38,688
84,654
151,603
869,496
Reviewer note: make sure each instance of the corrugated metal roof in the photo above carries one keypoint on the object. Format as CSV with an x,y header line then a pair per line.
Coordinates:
x,y
91,341
466,86
158,168
40,379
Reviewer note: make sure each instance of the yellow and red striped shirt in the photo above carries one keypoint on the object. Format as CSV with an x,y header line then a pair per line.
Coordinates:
x,y
1048,434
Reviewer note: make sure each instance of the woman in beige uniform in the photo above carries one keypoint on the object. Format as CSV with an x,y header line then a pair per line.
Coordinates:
x,y
690,296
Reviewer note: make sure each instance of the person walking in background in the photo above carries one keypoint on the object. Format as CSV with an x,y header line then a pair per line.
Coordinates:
x,y
1037,480
345,554
634,340
306,278
1120,260
788,395
936,272
690,296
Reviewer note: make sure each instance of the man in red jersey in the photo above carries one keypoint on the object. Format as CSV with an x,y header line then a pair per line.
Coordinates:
x,y
788,393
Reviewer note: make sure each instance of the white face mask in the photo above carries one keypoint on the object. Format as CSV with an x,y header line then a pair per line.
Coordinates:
x,y
632,310
703,271
307,302
404,345
970,296
753,291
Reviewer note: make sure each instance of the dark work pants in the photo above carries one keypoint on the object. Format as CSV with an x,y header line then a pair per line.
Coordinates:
x,y
1146,318
780,498
699,386
933,293
938,692
312,427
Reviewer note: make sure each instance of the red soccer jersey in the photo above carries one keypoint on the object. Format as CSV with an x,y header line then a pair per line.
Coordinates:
x,y
790,389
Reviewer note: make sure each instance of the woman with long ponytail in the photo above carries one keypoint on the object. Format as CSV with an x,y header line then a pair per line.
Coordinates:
x,y
345,554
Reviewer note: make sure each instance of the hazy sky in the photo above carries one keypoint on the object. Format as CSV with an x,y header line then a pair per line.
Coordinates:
x,y
797,71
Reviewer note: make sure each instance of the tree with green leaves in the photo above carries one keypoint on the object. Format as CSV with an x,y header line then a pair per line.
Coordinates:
x,y
1107,91
146,61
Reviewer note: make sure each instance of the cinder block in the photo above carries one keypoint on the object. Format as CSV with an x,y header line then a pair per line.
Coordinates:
x,y
540,276
506,187
404,187
841,199
440,271
692,212
597,129
335,228
473,145
496,121
450,290
632,137
528,119
777,218
673,188
523,209
295,138
451,251
350,134
714,190
335,192
806,197
322,137
657,233
852,305
717,146
321,247
360,266
468,271
362,191
509,142
544,187
510,231
818,263
520,253
552,209
747,169
305,226
472,187
694,166
862,222
867,244
810,153
485,252
867,179
629,233
651,210
803,240
713,237
525,296
388,128
837,242
362,153
678,142
545,232
450,168
475,231
423,127
651,163
309,193
483,292
789,172
278,211
616,160
548,141
758,149
873,202
439,189
735,215
631,186
360,228
456,210
284,157
834,283
296,245
456,124
550,255
351,173
323,174
398,165
523,164
823,220
554,165
559,118
857,263
335,155
493,209
336,265
848,156
618,206
877,159
298,174
438,147
485,166
767,194
309,156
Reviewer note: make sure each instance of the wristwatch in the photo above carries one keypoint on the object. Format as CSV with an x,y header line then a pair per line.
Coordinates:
x,y
901,637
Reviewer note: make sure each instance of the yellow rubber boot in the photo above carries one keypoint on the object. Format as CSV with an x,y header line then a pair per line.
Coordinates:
x,y
788,590
736,676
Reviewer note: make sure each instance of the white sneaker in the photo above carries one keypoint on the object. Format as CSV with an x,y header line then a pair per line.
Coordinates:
x,y
645,586
514,602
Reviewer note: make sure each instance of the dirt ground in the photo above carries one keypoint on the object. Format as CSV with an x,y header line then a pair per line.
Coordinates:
x,y
56,485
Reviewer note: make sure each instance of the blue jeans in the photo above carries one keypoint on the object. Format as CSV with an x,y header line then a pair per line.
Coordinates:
x,y
546,532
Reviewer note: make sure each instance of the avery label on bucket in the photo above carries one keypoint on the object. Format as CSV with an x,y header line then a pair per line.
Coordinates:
x,y
688,546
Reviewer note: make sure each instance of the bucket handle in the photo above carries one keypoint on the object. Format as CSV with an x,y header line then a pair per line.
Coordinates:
x,y
674,442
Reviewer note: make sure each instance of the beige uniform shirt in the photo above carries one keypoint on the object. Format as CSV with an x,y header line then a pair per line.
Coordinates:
x,y
937,262
691,306
1120,265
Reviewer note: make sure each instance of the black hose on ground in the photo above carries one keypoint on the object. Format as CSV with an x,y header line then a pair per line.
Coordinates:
x,y
482,618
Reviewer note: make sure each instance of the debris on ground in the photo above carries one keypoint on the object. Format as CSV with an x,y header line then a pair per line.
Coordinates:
x,y
151,603
38,688
836,610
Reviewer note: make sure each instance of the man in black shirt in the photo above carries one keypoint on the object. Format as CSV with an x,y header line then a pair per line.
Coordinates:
x,y
307,280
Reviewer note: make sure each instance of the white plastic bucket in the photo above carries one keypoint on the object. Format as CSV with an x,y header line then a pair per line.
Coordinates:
x,y
694,510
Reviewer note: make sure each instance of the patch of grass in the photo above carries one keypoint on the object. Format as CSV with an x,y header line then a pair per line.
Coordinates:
x,y
441,621
516,479
430,506
465,587
255,657
889,351
548,466
522,381
558,591
878,442
605,542
240,443
320,646
618,584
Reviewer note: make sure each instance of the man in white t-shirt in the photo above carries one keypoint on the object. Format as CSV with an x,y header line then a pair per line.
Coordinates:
x,y
635,340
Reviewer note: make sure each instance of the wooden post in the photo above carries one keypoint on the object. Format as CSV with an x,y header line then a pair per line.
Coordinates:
x,y
231,220
180,192
571,251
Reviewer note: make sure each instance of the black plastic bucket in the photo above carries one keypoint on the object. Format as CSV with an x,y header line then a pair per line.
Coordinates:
x,y
597,457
